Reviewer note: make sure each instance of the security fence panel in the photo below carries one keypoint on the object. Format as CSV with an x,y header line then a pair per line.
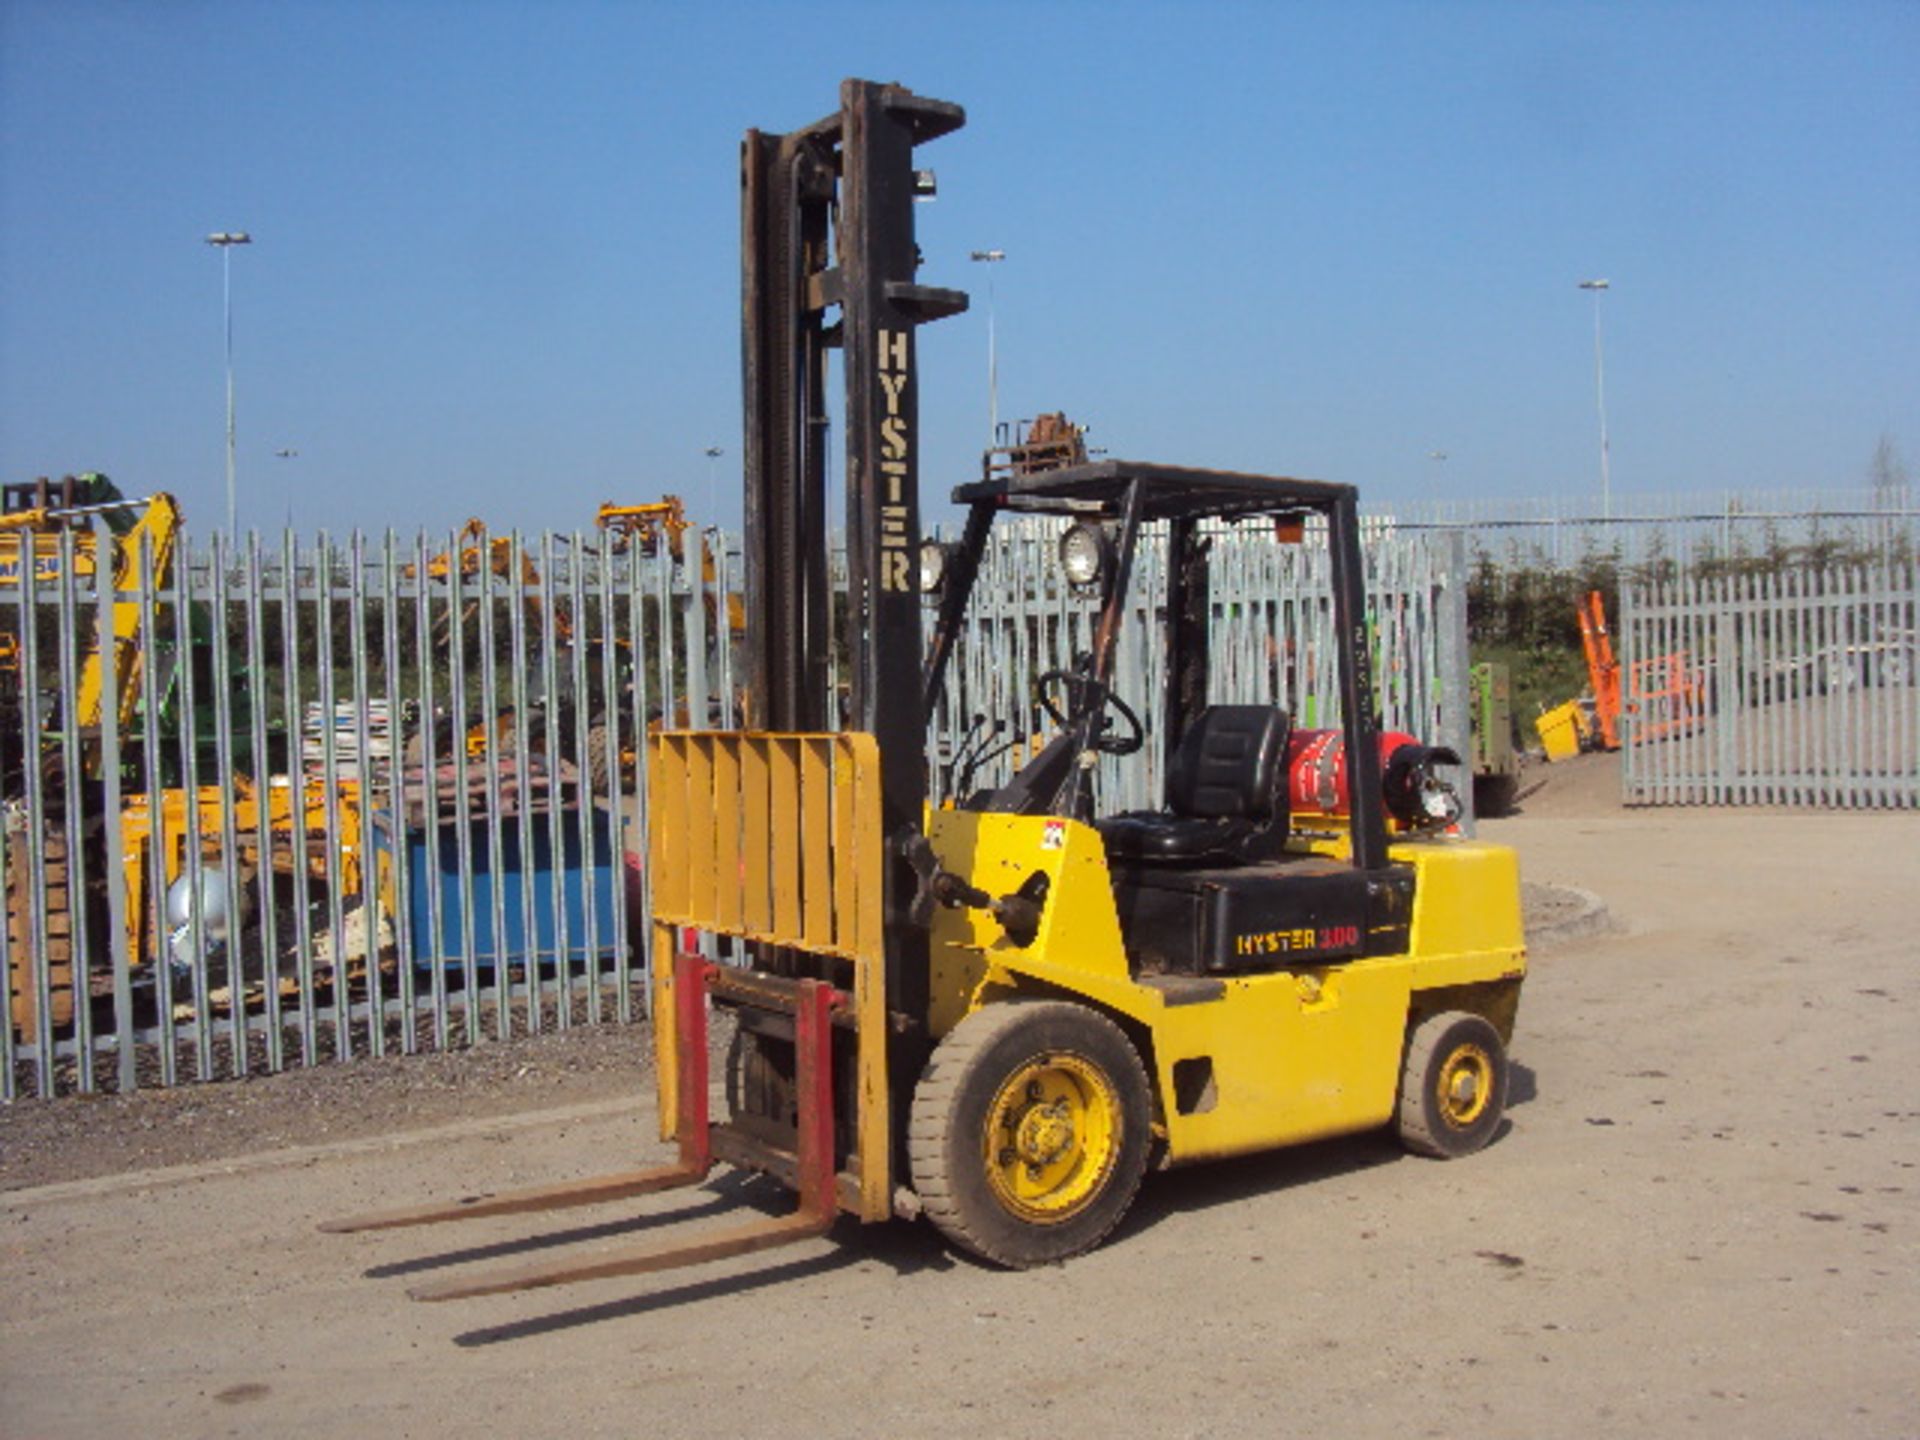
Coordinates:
x,y
309,799
1786,688
1271,637
312,799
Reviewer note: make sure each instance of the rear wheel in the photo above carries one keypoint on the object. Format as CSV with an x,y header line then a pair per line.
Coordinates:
x,y
1029,1132
1453,1085
1493,795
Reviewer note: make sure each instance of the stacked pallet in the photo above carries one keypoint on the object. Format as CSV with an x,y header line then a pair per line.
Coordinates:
x,y
346,723
24,985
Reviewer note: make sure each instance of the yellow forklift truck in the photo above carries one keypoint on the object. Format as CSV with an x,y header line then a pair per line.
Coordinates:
x,y
1000,1015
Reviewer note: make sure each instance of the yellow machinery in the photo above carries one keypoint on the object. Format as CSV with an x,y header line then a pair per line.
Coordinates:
x,y
47,534
647,525
46,530
1105,992
31,541
477,551
649,528
292,839
1001,1015
1666,695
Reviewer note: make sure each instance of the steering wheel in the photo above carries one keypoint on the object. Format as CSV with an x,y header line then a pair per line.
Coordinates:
x,y
1088,697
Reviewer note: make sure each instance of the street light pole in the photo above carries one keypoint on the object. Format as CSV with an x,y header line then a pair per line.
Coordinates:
x,y
1600,395
992,257
225,240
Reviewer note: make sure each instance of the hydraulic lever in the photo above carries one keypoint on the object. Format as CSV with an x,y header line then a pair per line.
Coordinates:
x,y
1018,913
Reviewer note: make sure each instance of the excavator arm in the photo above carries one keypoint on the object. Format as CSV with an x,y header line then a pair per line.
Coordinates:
x,y
156,532
645,524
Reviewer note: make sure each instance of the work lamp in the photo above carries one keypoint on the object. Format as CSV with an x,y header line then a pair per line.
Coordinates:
x,y
1086,550
933,567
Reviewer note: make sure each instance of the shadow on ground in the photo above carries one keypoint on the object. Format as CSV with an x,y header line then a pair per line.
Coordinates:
x,y
904,1248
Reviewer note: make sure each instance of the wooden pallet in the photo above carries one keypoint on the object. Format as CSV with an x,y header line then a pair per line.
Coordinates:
x,y
23,997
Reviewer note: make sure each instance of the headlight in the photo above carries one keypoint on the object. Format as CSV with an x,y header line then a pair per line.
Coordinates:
x,y
1084,553
933,567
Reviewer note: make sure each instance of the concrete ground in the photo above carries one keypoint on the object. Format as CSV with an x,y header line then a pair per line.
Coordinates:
x,y
1704,1219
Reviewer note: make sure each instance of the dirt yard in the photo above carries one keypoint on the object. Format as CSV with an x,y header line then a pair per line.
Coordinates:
x,y
1703,1219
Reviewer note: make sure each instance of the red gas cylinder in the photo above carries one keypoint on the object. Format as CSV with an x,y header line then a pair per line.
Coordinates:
x,y
1317,783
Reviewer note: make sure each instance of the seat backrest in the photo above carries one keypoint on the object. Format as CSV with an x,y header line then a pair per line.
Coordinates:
x,y
1231,763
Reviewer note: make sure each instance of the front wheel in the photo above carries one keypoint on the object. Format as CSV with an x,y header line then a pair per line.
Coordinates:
x,y
1030,1131
1453,1085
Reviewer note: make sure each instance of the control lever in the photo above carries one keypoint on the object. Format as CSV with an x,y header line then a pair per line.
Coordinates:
x,y
1018,913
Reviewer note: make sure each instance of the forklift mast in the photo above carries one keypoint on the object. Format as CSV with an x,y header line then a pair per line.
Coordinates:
x,y
827,222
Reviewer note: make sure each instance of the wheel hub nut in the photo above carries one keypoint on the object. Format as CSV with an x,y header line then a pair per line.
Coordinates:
x,y
1046,1131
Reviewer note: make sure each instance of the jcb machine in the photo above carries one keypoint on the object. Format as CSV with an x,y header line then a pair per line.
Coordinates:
x,y
1001,1014
47,527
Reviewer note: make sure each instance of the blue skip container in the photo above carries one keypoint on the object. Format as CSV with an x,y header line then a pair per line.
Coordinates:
x,y
587,888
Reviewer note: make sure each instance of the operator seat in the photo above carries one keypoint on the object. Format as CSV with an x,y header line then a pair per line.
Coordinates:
x,y
1226,794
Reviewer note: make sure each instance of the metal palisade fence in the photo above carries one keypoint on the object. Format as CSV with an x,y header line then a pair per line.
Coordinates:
x,y
331,799
1789,688
1674,528
301,802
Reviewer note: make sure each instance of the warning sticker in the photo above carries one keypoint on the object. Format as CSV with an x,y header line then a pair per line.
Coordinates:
x,y
1054,836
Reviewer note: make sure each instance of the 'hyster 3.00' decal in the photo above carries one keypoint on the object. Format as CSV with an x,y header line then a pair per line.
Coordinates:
x,y
1302,941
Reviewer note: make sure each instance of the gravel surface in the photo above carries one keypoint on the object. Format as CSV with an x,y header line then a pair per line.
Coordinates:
x,y
1699,1220
79,1136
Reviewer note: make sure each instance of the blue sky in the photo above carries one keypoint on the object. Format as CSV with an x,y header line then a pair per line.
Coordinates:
x,y
495,268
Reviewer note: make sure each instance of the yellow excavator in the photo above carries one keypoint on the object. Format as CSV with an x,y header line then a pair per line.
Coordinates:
x,y
647,526
1001,1016
655,524
45,533
48,535
48,532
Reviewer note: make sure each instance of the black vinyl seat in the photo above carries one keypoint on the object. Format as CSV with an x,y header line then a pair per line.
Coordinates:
x,y
1226,793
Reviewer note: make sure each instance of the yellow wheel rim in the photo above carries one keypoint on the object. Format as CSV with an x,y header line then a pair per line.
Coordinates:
x,y
1052,1135
1465,1086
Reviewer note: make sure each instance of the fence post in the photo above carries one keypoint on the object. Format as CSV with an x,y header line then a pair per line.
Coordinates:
x,y
1449,592
119,952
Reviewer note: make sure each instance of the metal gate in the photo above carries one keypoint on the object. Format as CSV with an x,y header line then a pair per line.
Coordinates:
x,y
1792,688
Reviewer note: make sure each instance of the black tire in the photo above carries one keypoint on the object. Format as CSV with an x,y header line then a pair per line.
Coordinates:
x,y
1453,1086
759,1080
1493,795
1030,1131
